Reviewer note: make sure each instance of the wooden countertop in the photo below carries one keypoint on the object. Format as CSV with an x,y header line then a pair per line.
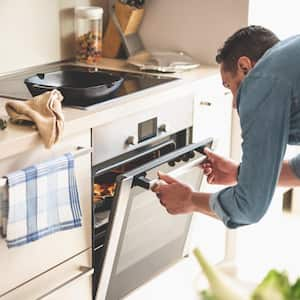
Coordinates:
x,y
16,139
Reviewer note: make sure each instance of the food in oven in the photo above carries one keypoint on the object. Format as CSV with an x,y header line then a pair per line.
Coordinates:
x,y
105,183
103,190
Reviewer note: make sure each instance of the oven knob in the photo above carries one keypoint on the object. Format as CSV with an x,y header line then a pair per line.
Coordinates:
x,y
178,159
130,141
191,154
185,157
162,128
171,163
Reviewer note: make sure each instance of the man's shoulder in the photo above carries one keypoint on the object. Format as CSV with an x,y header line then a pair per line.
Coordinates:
x,y
287,44
290,45
282,60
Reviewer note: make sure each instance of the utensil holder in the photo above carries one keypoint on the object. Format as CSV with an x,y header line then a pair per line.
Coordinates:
x,y
129,19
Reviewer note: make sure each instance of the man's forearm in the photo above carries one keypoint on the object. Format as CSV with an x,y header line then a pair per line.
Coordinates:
x,y
201,203
287,176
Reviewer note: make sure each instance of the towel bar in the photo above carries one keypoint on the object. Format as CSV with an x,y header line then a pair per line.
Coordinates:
x,y
80,151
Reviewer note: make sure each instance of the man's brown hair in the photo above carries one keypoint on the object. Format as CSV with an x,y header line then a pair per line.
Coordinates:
x,y
252,41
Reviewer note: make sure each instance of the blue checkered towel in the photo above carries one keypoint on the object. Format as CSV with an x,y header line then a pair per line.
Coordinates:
x,y
41,199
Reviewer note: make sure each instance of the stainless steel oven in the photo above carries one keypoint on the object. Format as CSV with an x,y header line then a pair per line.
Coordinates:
x,y
134,237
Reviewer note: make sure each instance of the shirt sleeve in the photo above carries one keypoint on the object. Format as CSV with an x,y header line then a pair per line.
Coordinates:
x,y
295,165
264,110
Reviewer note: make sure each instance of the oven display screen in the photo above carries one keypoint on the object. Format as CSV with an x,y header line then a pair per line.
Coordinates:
x,y
147,129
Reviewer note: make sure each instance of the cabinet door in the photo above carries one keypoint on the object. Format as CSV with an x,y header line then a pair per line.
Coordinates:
x,y
212,118
21,264
213,114
70,280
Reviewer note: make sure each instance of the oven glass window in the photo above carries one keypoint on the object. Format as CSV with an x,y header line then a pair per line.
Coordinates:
x,y
105,184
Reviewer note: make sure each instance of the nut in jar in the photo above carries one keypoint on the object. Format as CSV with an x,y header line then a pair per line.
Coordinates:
x,y
89,47
88,34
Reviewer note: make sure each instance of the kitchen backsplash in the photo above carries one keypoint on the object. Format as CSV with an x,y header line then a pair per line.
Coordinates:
x,y
198,27
41,31
37,31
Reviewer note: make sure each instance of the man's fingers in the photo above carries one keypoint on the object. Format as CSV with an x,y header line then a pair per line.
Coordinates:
x,y
162,203
211,155
206,165
211,178
207,171
155,187
166,178
163,189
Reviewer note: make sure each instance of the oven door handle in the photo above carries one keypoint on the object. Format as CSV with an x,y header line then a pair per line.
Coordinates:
x,y
45,87
197,147
139,174
148,184
158,147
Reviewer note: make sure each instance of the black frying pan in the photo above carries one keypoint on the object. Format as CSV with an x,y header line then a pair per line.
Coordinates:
x,y
76,86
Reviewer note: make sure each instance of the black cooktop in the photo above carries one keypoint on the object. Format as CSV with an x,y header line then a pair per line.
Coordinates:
x,y
13,86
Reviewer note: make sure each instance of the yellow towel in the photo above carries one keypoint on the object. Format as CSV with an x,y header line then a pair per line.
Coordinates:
x,y
45,111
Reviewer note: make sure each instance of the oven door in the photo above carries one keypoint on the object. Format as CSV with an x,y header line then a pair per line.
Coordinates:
x,y
143,238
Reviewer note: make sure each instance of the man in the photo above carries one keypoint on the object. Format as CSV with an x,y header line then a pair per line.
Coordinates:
x,y
263,75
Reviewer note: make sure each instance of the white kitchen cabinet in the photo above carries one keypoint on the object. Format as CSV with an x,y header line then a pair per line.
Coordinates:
x,y
212,118
212,114
22,264
70,280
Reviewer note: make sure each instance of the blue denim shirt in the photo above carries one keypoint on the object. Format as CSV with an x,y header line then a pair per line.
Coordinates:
x,y
268,104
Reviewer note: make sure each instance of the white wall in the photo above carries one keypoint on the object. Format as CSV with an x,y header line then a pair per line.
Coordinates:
x,y
282,17
36,31
198,27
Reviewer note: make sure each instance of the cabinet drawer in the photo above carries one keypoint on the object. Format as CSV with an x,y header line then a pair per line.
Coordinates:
x,y
70,280
32,259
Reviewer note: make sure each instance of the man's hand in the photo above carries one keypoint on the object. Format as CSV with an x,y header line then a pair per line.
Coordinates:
x,y
218,169
175,196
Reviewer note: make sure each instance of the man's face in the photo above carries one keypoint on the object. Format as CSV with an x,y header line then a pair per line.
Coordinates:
x,y
232,81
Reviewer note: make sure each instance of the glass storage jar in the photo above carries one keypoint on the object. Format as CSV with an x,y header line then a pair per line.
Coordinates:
x,y
88,34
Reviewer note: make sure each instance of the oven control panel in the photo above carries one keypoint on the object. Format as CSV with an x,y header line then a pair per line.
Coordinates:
x,y
125,134
147,130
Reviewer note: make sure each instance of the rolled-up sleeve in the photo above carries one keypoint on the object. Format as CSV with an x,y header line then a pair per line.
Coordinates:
x,y
264,109
295,165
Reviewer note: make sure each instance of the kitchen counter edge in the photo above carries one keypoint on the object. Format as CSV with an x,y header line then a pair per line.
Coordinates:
x,y
17,139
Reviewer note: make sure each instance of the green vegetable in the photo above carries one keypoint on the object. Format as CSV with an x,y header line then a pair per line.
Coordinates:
x,y
222,286
295,290
207,295
275,286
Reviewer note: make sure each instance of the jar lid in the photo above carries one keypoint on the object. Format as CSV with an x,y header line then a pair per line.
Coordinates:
x,y
89,12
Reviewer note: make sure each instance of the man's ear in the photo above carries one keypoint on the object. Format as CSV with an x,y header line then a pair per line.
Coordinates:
x,y
244,64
